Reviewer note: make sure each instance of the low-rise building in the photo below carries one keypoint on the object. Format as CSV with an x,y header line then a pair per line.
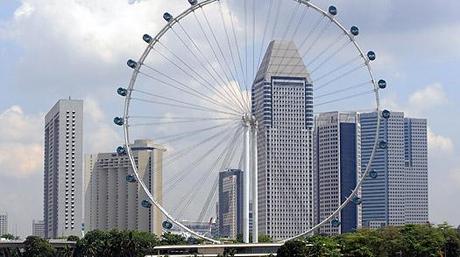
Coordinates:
x,y
38,228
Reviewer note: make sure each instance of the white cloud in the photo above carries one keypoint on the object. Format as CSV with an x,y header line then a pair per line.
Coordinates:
x,y
419,102
105,30
438,144
99,134
93,111
429,97
21,151
21,148
23,11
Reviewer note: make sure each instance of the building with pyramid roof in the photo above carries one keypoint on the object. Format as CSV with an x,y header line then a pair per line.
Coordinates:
x,y
282,102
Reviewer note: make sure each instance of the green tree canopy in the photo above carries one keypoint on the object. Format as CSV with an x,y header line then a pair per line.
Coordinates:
x,y
116,243
38,247
409,240
9,237
265,238
173,239
293,248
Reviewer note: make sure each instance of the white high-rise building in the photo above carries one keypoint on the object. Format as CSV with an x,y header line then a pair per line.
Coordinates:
x,y
399,193
3,224
282,102
63,175
111,201
38,228
416,164
337,163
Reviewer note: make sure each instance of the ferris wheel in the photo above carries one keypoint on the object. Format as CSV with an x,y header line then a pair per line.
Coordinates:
x,y
204,90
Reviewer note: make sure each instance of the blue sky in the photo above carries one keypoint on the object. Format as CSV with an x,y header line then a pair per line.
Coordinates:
x,y
52,49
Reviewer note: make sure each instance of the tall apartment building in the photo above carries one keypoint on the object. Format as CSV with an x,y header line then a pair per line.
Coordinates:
x,y
111,202
3,224
416,165
399,194
337,164
38,228
282,102
230,214
63,175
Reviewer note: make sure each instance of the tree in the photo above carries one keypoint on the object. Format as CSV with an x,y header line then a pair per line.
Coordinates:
x,y
293,248
172,239
37,247
392,242
265,238
409,240
73,238
452,240
139,244
64,252
322,246
9,237
93,244
421,240
116,243
359,244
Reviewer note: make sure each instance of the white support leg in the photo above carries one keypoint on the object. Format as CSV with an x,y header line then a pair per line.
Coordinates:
x,y
246,184
255,207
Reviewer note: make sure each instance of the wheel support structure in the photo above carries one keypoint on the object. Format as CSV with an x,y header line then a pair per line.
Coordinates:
x,y
250,187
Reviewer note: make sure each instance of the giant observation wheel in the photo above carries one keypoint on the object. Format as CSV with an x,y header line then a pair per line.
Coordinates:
x,y
192,92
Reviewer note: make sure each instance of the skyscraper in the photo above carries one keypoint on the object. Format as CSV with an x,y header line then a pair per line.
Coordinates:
x,y
230,203
112,202
383,196
399,193
3,224
282,102
337,164
416,166
63,176
38,228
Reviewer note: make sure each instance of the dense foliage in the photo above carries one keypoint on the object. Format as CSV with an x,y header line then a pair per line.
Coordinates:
x,y
9,237
38,247
122,243
408,241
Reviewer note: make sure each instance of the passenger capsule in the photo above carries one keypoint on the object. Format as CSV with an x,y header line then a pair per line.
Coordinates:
x,y
132,64
373,174
167,16
335,222
354,31
131,178
122,91
382,84
121,150
371,55
386,114
147,38
167,225
193,2
333,10
146,204
383,144
118,121
356,200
